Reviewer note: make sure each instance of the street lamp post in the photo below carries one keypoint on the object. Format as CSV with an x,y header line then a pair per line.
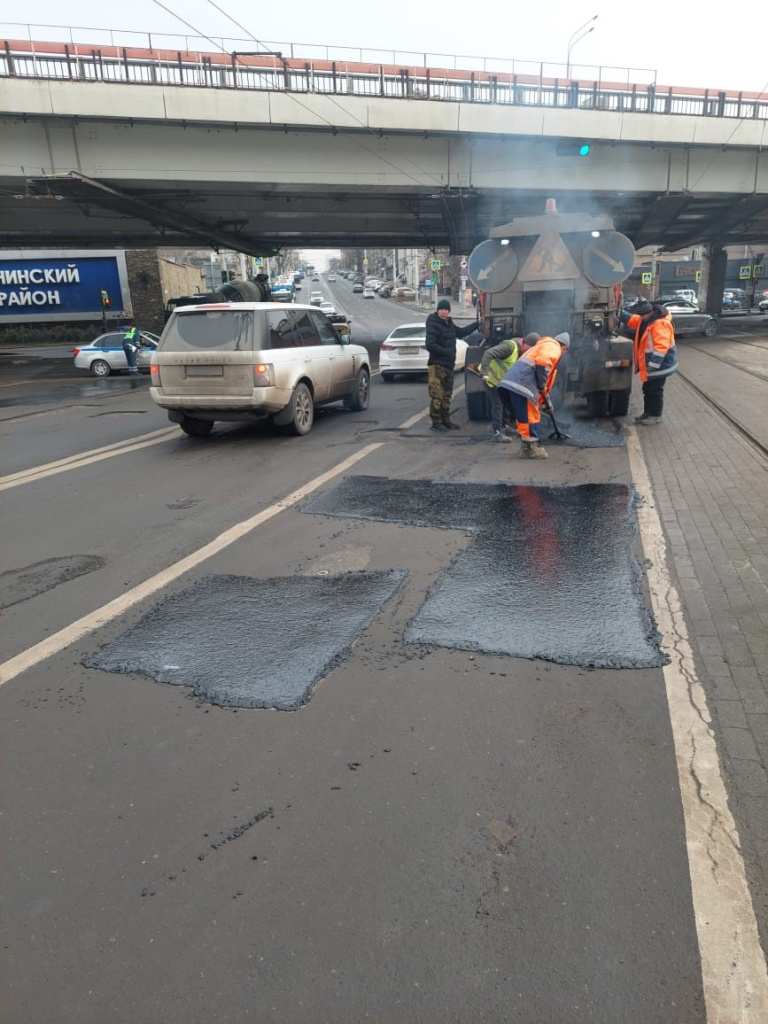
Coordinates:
x,y
581,33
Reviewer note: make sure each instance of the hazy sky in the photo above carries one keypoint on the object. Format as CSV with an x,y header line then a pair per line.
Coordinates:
x,y
702,44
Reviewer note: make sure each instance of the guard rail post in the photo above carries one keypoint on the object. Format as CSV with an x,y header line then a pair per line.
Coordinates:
x,y
10,60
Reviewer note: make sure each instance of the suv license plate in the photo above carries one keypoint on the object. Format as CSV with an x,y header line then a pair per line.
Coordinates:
x,y
204,371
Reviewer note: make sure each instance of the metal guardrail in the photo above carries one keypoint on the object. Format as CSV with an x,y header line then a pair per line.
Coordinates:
x,y
258,72
98,37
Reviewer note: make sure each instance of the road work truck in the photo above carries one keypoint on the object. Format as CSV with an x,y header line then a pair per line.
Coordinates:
x,y
551,273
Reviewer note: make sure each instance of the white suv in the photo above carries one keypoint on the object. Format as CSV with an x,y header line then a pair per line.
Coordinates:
x,y
243,361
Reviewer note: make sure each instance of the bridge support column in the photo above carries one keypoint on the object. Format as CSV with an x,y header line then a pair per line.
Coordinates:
x,y
713,266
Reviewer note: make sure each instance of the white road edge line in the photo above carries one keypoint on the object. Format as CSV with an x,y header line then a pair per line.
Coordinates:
x,y
733,965
70,634
34,470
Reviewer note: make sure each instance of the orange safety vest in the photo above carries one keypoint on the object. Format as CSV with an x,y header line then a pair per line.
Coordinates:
x,y
658,336
522,376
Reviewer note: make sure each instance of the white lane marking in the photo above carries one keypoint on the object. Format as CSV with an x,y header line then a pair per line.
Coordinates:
x,y
118,606
98,455
32,470
732,961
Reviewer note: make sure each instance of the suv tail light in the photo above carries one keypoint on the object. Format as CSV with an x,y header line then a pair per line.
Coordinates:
x,y
262,375
154,375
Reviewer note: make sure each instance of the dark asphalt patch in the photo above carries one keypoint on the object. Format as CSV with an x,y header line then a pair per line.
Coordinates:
x,y
250,643
18,585
549,574
583,432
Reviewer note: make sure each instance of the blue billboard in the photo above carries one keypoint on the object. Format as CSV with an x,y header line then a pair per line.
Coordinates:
x,y
51,286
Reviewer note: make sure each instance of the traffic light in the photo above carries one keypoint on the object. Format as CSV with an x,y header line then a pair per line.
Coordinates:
x,y
573,148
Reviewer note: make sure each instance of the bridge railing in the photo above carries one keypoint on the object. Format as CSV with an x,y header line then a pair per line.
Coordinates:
x,y
61,61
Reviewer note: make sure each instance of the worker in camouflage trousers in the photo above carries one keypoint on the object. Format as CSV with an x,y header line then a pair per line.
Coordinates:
x,y
442,333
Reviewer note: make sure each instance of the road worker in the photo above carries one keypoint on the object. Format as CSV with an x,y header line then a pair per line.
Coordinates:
x,y
495,363
655,354
442,333
529,384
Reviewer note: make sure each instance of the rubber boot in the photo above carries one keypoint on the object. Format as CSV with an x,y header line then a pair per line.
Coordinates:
x,y
537,452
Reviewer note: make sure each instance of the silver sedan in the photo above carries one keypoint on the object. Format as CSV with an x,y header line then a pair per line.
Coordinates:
x,y
104,355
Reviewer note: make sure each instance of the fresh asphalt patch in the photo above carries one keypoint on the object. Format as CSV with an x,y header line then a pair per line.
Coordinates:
x,y
251,643
550,573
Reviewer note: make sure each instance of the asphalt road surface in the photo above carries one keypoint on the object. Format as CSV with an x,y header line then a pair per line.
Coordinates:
x,y
437,835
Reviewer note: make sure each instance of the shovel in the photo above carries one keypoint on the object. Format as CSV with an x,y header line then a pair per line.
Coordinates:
x,y
557,434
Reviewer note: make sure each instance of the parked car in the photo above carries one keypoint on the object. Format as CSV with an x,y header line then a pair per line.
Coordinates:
x,y
249,361
763,306
368,293
357,287
688,295
342,324
282,293
736,300
315,298
404,351
385,290
688,319
105,355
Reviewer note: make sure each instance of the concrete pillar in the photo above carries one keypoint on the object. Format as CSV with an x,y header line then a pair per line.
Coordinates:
x,y
714,260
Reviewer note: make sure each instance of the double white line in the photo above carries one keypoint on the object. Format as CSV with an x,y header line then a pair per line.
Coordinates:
x,y
108,451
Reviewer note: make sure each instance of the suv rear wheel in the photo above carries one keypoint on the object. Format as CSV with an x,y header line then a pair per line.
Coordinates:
x,y
357,400
301,410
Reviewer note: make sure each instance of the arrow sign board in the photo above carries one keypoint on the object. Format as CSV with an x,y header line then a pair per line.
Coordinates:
x,y
608,259
492,266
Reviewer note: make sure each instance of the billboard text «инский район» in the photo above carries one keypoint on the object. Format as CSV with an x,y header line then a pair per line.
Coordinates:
x,y
38,286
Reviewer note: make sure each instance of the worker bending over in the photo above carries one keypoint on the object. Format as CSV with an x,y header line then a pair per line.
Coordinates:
x,y
655,354
494,365
529,383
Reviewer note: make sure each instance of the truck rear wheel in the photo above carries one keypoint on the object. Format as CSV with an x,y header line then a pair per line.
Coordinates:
x,y
618,402
597,404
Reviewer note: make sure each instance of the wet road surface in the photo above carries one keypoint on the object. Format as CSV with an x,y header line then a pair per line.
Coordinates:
x,y
540,555
437,835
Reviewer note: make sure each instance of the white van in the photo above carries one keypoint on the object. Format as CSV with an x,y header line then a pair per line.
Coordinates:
x,y
243,361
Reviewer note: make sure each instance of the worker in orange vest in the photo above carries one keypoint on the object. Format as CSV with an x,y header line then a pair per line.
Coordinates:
x,y
655,354
528,384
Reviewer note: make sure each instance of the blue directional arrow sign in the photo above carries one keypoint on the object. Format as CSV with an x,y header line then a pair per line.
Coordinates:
x,y
492,266
608,259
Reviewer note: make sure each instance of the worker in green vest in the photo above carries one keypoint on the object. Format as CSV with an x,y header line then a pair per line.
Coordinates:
x,y
493,366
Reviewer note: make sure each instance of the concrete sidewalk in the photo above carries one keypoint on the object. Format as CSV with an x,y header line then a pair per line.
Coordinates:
x,y
711,490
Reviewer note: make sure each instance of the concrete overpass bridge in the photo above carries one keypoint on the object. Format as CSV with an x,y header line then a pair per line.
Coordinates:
x,y
138,146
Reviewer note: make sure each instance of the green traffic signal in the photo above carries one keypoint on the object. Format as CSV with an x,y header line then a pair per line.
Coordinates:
x,y
584,149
